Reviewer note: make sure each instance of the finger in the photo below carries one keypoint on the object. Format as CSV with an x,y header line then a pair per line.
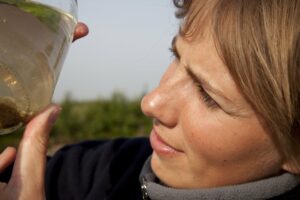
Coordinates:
x,y
29,168
81,30
7,157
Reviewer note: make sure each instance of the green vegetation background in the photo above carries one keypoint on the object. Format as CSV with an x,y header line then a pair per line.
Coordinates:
x,y
117,116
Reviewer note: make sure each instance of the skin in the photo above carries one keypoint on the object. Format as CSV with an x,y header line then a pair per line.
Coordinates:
x,y
32,149
202,141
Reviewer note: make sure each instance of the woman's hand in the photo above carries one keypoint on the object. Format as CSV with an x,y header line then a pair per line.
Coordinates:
x,y
28,176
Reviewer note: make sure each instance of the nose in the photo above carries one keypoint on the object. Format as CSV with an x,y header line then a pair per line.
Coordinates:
x,y
158,105
162,103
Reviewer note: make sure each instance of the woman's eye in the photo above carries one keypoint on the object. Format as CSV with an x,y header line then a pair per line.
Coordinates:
x,y
210,103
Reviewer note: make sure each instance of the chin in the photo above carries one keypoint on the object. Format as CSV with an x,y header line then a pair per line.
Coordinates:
x,y
169,173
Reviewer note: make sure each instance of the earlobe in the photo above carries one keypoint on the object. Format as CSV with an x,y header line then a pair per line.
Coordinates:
x,y
291,167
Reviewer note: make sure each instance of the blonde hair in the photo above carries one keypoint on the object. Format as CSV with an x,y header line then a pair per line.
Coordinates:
x,y
259,42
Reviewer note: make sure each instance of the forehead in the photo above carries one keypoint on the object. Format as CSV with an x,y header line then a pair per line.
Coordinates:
x,y
202,56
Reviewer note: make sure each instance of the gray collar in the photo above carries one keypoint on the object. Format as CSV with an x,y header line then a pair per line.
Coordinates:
x,y
262,189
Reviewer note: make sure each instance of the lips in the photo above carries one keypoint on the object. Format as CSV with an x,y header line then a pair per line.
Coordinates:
x,y
160,146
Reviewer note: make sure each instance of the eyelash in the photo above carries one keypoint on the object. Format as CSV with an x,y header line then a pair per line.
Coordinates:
x,y
210,103
174,53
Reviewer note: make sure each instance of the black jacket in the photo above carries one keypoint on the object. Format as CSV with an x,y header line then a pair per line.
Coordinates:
x,y
97,170
102,170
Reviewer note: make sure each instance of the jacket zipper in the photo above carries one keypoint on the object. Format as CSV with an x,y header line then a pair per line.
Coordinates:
x,y
144,190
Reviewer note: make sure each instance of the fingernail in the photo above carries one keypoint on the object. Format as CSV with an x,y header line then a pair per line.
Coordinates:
x,y
54,114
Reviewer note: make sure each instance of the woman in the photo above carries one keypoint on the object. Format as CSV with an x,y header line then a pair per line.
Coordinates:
x,y
226,115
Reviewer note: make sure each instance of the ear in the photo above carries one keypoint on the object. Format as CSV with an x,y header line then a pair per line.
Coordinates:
x,y
291,167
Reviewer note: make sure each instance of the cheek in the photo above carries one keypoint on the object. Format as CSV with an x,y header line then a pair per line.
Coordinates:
x,y
212,139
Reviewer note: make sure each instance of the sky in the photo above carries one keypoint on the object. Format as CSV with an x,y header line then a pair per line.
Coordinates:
x,y
126,50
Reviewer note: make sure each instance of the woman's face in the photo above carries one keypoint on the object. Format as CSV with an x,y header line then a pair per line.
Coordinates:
x,y
205,133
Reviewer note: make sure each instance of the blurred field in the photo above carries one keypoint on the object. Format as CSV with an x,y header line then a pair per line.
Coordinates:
x,y
117,116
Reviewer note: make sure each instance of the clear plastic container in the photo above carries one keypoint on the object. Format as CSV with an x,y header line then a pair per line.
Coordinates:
x,y
35,37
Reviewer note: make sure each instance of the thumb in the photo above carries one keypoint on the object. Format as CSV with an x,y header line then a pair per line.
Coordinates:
x,y
81,30
29,170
